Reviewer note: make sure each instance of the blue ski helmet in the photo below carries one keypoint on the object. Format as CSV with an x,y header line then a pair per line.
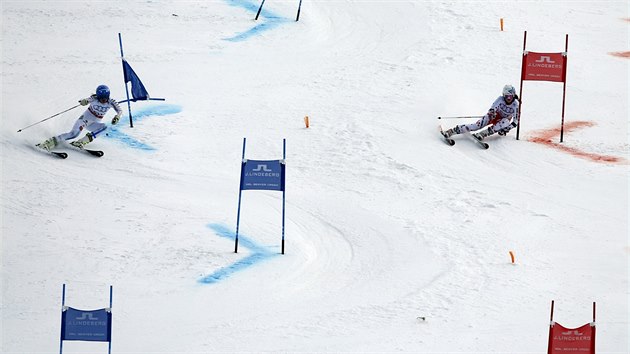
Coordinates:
x,y
102,92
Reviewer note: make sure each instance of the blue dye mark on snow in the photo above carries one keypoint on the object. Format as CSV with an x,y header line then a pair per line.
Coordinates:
x,y
115,131
256,30
272,20
259,254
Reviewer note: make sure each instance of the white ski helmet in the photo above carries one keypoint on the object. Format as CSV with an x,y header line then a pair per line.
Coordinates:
x,y
509,90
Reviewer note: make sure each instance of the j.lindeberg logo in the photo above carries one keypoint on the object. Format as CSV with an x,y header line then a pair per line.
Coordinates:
x,y
261,168
545,59
572,336
87,316
87,319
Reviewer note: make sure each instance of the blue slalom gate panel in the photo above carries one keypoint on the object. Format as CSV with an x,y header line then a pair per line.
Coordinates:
x,y
262,175
86,325
94,326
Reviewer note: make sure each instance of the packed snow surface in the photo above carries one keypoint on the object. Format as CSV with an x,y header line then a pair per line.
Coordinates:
x,y
394,241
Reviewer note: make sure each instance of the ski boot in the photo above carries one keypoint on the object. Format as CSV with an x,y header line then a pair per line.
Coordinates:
x,y
483,134
450,132
48,144
83,141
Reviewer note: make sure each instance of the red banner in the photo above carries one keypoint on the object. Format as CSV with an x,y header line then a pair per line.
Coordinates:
x,y
577,340
544,67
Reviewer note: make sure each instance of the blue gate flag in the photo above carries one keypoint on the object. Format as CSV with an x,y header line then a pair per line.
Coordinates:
x,y
95,326
138,92
263,175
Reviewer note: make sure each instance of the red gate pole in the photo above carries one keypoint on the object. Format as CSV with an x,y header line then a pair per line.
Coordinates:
x,y
593,333
520,99
550,327
564,83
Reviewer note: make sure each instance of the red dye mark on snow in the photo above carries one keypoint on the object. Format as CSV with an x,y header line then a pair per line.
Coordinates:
x,y
621,54
545,137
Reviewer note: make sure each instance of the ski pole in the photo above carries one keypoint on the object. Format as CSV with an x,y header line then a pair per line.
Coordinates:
x,y
461,117
45,119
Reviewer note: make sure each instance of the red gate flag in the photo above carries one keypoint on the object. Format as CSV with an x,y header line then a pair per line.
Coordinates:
x,y
544,67
567,340
564,340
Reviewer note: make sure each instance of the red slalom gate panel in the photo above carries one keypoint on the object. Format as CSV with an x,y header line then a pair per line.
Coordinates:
x,y
544,67
579,340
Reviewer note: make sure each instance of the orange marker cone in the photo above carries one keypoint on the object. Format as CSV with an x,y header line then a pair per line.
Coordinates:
x,y
306,121
512,256
501,24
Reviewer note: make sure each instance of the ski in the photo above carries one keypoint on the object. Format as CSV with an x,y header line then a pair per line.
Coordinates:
x,y
95,153
61,155
449,141
477,141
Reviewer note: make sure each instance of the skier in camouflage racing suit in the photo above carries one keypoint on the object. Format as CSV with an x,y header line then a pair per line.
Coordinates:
x,y
501,117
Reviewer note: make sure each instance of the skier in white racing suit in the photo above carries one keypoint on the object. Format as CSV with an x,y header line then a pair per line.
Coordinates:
x,y
501,117
91,120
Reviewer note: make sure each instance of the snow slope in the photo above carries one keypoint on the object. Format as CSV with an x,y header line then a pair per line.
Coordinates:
x,y
384,222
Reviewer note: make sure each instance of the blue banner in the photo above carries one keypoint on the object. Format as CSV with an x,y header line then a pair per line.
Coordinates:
x,y
86,325
138,92
262,175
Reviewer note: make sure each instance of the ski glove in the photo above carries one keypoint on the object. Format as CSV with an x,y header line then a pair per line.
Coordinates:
x,y
84,102
115,119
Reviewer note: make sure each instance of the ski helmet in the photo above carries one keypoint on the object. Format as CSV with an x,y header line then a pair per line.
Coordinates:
x,y
102,92
509,90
